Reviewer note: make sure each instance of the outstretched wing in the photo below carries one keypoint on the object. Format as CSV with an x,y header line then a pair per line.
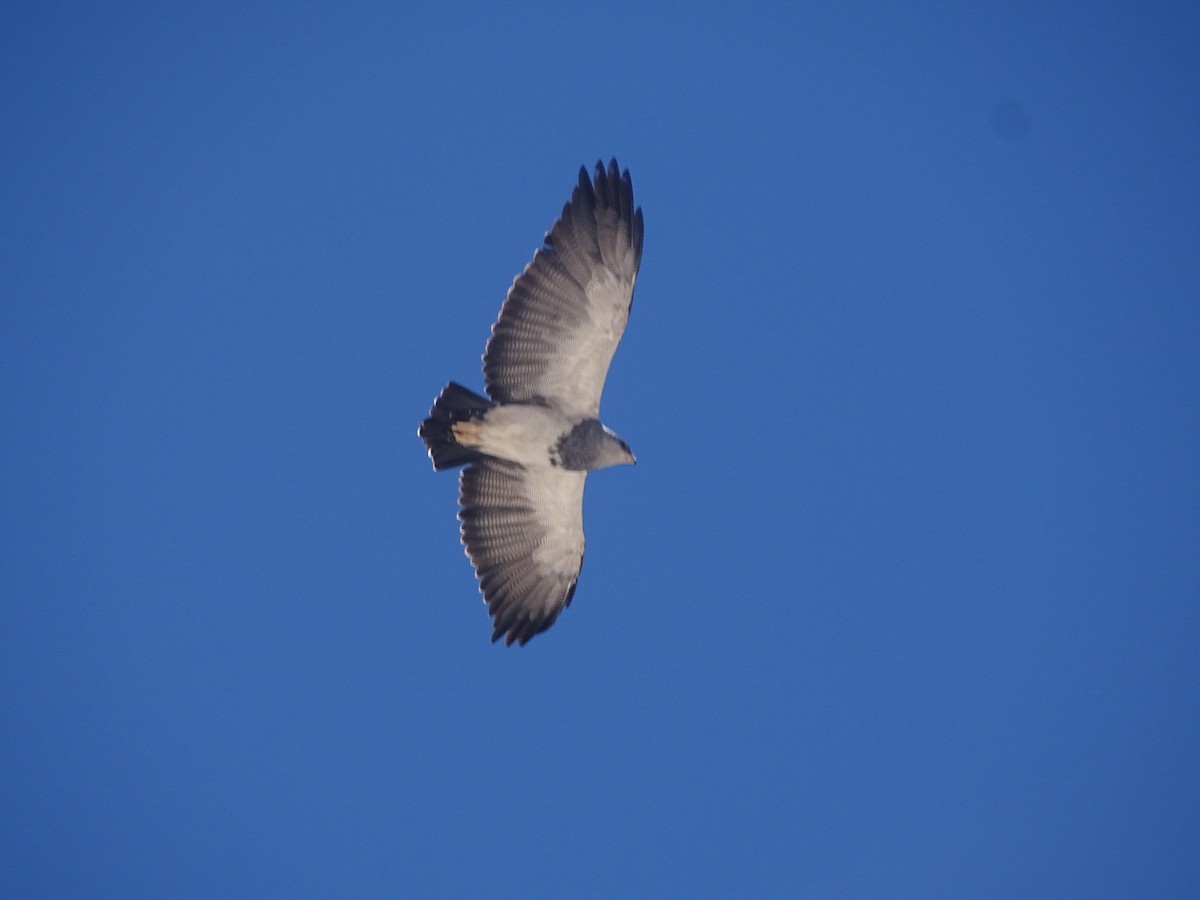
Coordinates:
x,y
523,532
565,314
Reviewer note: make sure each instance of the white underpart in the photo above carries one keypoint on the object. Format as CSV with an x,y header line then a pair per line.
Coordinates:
x,y
518,433
558,498
585,360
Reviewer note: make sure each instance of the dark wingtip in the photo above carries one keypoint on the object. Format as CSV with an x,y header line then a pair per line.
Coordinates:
x,y
615,186
521,632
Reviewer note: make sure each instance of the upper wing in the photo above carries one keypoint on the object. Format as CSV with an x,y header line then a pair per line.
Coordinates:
x,y
565,313
523,531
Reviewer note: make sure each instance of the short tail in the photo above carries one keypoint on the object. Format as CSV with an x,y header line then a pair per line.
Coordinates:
x,y
454,404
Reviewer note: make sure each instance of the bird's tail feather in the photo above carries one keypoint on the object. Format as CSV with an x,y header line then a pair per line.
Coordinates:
x,y
454,404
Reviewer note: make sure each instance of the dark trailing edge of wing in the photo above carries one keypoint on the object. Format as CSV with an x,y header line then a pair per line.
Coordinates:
x,y
454,404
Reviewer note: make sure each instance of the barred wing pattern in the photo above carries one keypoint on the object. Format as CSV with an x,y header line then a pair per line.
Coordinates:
x,y
523,532
565,314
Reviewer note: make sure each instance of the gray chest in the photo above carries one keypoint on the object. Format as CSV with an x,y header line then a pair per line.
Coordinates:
x,y
583,447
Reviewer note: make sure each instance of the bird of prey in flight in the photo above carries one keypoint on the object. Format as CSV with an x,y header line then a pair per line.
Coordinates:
x,y
529,444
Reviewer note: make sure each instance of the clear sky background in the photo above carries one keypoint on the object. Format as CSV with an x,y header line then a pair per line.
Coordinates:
x,y
901,598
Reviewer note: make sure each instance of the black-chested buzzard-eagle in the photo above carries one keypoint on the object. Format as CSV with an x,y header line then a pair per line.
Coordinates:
x,y
528,448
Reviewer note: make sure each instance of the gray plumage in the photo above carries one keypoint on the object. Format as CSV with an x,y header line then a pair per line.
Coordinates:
x,y
528,446
588,445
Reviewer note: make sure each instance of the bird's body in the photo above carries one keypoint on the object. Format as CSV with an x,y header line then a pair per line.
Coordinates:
x,y
528,446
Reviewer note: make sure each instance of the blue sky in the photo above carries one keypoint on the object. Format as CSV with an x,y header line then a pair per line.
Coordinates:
x,y
900,599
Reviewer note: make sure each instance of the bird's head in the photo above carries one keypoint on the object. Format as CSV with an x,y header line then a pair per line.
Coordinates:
x,y
615,452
